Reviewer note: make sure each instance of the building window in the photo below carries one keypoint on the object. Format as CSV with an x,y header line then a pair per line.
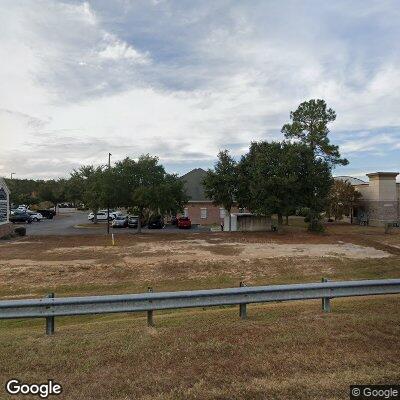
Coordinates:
x,y
203,213
222,212
185,212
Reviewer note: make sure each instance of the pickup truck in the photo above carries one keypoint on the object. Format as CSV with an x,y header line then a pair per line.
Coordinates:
x,y
49,214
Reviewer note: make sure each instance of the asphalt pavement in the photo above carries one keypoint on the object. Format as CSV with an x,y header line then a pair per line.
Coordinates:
x,y
73,222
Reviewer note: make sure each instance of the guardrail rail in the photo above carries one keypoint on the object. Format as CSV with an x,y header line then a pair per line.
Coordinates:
x,y
51,307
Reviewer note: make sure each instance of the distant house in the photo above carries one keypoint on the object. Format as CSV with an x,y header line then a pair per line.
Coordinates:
x,y
200,209
4,208
380,202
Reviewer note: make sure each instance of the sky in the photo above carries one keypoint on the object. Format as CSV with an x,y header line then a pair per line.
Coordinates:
x,y
184,79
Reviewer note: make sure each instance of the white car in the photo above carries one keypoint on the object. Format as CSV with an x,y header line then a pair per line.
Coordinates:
x,y
36,216
101,216
114,214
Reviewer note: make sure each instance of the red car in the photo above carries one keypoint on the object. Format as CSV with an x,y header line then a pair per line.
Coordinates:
x,y
184,223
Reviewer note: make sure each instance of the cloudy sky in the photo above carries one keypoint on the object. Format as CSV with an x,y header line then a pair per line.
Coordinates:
x,y
184,79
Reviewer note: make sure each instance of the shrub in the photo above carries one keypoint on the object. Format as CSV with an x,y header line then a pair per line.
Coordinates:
x,y
20,231
315,225
314,221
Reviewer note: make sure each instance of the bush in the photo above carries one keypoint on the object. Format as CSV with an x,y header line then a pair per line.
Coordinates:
x,y
20,231
315,226
314,221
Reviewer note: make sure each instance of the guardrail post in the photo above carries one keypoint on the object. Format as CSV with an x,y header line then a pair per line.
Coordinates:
x,y
50,320
242,307
326,301
150,321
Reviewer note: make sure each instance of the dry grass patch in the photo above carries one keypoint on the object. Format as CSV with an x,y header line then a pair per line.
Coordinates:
x,y
287,350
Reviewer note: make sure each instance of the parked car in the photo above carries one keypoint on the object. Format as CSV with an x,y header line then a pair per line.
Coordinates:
x,y
120,222
156,222
65,205
101,216
113,213
22,207
20,216
184,223
174,220
133,221
36,216
49,214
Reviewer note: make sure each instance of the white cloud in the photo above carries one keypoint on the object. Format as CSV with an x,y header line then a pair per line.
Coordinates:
x,y
370,143
115,49
183,82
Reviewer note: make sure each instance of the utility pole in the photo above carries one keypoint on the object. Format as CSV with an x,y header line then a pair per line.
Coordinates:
x,y
108,196
11,175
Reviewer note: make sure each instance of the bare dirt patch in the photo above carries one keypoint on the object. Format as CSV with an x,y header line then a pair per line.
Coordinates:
x,y
91,265
206,250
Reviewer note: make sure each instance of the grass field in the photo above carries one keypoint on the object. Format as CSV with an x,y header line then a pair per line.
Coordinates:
x,y
283,350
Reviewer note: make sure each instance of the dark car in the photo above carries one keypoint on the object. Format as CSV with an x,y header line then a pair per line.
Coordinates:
x,y
174,220
133,221
20,216
184,223
49,214
156,222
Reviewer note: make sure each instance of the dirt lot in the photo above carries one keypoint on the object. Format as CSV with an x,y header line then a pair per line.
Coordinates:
x,y
90,264
285,350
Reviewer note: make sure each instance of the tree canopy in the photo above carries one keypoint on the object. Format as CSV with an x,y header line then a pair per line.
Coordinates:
x,y
279,177
221,183
310,126
267,176
145,186
343,197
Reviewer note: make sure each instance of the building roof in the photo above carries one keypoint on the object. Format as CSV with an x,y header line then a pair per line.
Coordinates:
x,y
194,184
350,179
383,174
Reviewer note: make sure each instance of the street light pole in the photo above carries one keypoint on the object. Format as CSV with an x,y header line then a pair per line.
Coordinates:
x,y
108,196
11,175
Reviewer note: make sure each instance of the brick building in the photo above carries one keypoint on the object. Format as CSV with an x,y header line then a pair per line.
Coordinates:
x,y
200,209
380,201
5,226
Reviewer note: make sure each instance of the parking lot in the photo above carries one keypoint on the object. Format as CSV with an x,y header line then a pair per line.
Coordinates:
x,y
72,222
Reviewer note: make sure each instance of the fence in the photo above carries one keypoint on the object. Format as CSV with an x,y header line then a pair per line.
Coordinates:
x,y
50,307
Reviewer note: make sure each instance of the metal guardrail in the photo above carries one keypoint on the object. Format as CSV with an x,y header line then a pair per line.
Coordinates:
x,y
51,307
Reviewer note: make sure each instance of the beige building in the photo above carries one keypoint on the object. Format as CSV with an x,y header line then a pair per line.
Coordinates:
x,y
380,198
